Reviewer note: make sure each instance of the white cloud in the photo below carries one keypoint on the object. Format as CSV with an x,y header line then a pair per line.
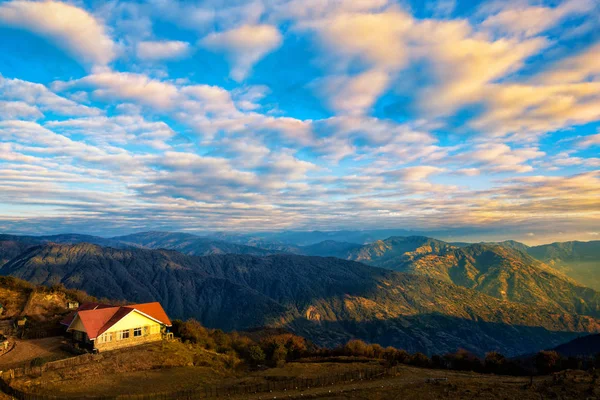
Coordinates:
x,y
18,110
421,172
463,63
589,141
581,67
244,46
69,27
499,157
527,21
38,95
162,50
126,86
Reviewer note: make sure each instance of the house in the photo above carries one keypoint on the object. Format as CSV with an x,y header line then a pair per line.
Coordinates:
x,y
101,327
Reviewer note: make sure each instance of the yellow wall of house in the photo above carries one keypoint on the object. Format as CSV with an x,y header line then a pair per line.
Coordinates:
x,y
135,320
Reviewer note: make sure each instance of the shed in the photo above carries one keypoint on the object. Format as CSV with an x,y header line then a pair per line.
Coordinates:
x,y
71,305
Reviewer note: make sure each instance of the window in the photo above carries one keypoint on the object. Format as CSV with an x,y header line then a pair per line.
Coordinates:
x,y
137,332
123,334
107,337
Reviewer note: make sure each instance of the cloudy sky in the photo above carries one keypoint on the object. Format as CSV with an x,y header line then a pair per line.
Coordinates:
x,y
120,116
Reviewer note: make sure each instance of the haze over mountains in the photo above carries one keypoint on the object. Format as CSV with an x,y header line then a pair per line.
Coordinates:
x,y
416,293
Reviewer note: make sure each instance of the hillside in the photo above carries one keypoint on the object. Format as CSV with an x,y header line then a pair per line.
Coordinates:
x,y
327,300
586,346
499,271
578,260
43,306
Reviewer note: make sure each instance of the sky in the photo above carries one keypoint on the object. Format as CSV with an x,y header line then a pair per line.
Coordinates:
x,y
122,116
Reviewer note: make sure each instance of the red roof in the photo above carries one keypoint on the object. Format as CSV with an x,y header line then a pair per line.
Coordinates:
x,y
98,320
94,320
85,306
153,310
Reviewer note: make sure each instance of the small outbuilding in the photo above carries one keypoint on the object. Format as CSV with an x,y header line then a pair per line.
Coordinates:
x,y
73,305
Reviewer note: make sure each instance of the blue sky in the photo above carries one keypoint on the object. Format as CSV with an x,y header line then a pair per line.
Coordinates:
x,y
301,114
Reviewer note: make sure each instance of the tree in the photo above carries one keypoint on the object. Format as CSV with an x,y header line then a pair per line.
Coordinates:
x,y
279,355
494,362
463,360
357,348
255,355
546,361
419,360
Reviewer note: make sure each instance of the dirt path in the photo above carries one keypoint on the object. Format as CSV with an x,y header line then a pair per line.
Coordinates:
x,y
27,350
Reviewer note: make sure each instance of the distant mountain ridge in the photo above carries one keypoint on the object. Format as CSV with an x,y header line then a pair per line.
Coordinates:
x,y
13,245
328,300
189,244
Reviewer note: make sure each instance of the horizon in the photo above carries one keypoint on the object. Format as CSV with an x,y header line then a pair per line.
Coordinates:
x,y
474,119
212,235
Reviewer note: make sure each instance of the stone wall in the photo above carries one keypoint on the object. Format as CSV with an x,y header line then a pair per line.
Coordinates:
x,y
131,341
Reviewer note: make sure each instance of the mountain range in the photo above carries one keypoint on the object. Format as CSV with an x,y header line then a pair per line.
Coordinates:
x,y
412,292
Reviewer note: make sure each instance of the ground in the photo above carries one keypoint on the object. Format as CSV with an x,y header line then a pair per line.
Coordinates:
x,y
26,350
171,366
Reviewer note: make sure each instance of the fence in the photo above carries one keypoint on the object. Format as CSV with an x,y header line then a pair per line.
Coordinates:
x,y
42,333
209,392
50,366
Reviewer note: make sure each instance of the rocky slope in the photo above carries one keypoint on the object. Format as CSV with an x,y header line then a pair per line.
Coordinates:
x,y
327,300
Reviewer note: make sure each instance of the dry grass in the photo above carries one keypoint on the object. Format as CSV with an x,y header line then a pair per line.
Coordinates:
x,y
156,367
13,301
